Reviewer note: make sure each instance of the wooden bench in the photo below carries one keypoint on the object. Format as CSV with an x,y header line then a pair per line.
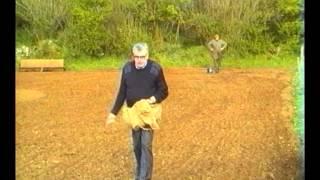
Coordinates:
x,y
41,65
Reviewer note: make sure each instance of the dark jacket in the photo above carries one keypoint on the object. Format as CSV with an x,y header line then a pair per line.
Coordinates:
x,y
137,84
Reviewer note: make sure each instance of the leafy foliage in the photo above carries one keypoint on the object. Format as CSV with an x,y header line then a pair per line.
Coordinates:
x,y
106,27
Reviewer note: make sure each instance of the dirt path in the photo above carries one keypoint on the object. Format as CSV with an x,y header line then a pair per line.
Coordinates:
x,y
232,125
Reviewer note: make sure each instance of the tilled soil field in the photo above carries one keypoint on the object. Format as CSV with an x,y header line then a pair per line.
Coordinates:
x,y
233,125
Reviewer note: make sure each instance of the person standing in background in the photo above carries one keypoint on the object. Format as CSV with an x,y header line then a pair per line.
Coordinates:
x,y
216,47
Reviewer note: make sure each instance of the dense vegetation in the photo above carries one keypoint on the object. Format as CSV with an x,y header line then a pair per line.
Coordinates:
x,y
173,28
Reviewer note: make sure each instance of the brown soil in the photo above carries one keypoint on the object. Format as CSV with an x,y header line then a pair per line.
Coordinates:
x,y
228,126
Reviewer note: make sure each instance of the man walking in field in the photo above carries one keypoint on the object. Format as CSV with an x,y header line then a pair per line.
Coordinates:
x,y
142,80
216,46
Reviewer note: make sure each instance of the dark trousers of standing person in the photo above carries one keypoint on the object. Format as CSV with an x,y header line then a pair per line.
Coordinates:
x,y
216,61
142,147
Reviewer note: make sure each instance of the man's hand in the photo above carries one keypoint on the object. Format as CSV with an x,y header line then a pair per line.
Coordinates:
x,y
152,100
110,119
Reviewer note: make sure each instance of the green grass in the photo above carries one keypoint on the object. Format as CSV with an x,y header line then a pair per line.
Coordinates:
x,y
262,61
176,56
88,64
299,102
183,60
298,120
197,56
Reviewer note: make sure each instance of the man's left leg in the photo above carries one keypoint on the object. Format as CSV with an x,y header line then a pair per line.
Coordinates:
x,y
218,64
219,59
146,155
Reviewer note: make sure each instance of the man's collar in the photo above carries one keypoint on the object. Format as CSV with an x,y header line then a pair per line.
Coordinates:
x,y
143,66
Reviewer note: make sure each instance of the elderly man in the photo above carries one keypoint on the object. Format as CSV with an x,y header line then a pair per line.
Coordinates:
x,y
141,78
216,46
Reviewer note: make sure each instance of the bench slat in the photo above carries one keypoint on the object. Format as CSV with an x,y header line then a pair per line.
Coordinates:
x,y
34,63
55,69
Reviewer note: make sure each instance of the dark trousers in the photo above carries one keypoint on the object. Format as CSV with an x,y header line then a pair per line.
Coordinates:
x,y
142,147
216,60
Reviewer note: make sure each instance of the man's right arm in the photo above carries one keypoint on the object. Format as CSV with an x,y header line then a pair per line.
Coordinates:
x,y
121,96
